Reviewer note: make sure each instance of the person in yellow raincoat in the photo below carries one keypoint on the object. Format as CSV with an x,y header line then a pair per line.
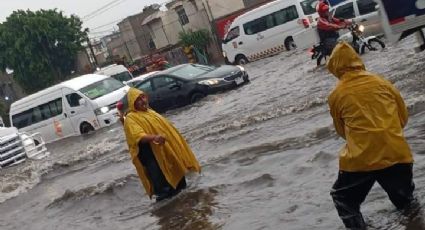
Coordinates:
x,y
160,154
369,113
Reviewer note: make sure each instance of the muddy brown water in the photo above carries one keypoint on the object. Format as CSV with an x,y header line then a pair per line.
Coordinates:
x,y
268,151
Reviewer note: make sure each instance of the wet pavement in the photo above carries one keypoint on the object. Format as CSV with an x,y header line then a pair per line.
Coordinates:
x,y
268,151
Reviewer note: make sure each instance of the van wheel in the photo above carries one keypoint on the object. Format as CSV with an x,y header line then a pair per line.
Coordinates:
x,y
290,44
86,128
196,96
241,60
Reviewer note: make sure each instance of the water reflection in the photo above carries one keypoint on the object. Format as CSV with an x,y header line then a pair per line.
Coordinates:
x,y
189,210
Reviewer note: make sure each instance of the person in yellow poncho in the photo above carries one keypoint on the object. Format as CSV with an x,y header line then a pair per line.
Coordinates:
x,y
160,154
369,113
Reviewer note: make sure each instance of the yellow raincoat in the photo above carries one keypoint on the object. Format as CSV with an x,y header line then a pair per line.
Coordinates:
x,y
175,158
368,112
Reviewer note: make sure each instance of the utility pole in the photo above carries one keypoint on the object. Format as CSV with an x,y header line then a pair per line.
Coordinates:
x,y
92,52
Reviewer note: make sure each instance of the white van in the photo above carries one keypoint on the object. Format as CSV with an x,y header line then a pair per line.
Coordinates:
x,y
118,72
267,30
73,107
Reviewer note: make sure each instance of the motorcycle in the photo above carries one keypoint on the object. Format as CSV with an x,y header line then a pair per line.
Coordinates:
x,y
357,40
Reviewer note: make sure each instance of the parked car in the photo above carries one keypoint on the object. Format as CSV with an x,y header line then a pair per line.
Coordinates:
x,y
188,83
364,12
139,79
267,30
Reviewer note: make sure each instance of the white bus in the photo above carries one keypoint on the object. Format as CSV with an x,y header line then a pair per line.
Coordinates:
x,y
73,107
267,30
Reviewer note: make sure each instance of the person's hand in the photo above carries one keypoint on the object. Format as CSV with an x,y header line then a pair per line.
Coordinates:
x,y
159,140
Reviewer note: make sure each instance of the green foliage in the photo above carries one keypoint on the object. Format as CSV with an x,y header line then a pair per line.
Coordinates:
x,y
3,112
40,46
199,39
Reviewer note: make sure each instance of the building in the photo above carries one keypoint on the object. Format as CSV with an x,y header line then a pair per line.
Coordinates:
x,y
116,47
136,38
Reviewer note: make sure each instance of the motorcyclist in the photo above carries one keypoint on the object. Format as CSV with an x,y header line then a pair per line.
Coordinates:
x,y
328,26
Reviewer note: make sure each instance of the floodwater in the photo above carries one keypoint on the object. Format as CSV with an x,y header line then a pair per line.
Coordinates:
x,y
268,151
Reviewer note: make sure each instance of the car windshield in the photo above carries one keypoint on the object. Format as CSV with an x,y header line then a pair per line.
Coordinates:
x,y
309,6
101,88
124,76
191,71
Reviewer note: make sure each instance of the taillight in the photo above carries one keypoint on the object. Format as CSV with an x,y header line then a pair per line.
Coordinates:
x,y
306,23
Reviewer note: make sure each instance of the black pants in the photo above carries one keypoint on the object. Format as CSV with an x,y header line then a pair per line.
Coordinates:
x,y
328,45
351,189
162,189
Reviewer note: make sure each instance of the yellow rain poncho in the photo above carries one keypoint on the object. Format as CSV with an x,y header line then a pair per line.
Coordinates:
x,y
368,112
175,157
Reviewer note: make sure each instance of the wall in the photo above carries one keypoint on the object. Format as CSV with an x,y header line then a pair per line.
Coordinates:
x,y
129,39
220,8
198,19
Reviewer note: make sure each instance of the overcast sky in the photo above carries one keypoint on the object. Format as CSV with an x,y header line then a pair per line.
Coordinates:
x,y
118,9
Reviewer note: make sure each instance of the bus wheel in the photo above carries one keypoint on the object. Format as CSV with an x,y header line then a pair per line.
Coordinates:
x,y
241,60
86,128
290,44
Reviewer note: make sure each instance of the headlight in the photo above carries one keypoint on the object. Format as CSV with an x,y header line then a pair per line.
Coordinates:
x,y
102,110
361,28
209,82
224,54
241,68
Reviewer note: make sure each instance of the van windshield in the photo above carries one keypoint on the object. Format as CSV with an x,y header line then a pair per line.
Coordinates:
x,y
124,76
101,88
309,6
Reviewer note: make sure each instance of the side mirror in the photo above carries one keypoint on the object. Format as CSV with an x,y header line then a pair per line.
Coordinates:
x,y
82,101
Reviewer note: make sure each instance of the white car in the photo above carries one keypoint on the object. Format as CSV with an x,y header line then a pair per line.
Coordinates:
x,y
364,12
133,82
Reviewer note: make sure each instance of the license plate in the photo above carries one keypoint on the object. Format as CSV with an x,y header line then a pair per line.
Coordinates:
x,y
238,80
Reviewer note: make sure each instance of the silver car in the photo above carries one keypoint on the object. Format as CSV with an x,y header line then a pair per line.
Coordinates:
x,y
364,12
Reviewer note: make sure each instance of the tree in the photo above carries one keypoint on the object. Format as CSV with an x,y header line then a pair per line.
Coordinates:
x,y
199,39
40,47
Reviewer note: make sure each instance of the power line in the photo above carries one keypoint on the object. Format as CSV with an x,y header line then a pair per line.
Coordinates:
x,y
101,8
100,12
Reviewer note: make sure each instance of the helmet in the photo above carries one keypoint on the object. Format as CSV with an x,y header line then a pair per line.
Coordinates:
x,y
322,8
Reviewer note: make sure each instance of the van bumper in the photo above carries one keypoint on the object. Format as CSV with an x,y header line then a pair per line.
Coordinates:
x,y
108,118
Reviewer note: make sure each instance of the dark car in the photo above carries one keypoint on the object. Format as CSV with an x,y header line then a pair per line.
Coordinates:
x,y
187,83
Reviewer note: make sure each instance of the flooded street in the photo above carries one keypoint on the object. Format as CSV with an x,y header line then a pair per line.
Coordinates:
x,y
268,152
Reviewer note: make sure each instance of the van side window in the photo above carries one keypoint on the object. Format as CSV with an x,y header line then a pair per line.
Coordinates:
x,y
256,26
345,11
73,99
37,114
366,6
269,21
285,15
232,34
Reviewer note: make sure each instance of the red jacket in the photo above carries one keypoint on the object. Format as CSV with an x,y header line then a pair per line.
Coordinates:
x,y
331,24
